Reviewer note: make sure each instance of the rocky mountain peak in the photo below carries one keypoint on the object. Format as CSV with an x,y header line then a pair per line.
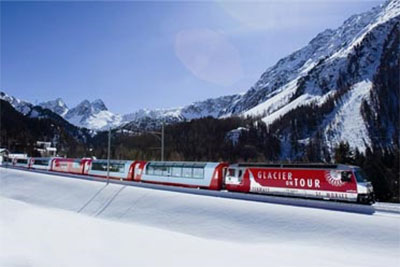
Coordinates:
x,y
58,106
98,105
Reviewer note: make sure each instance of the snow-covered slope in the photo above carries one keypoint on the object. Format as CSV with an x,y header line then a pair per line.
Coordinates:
x,y
341,65
338,66
19,105
151,119
93,115
78,221
330,46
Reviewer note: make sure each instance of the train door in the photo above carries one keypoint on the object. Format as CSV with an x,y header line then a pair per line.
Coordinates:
x,y
86,166
138,168
224,172
217,181
131,171
53,163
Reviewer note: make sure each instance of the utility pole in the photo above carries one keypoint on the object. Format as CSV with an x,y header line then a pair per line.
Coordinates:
x,y
108,155
160,136
162,142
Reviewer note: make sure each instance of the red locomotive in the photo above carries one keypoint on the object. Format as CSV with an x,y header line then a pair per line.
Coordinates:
x,y
324,181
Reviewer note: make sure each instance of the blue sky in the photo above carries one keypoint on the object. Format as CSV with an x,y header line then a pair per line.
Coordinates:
x,y
153,54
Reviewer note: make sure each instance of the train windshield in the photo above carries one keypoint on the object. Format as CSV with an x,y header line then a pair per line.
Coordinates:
x,y
235,173
232,172
360,176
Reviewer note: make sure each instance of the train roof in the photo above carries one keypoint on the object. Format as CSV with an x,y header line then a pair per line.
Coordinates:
x,y
296,165
112,161
178,164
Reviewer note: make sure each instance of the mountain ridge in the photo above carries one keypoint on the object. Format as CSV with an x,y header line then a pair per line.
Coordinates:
x,y
334,75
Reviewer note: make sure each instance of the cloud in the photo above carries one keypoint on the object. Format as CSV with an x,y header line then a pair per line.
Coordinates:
x,y
209,56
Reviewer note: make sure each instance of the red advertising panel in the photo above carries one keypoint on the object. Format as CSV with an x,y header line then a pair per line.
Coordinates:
x,y
68,165
312,179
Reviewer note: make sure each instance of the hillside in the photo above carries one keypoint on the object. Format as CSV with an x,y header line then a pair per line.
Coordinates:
x,y
322,92
19,132
342,87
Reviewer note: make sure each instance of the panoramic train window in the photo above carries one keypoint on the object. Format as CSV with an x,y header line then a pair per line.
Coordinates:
x,y
114,166
150,170
42,162
98,166
158,170
166,171
198,173
117,167
177,171
22,161
187,172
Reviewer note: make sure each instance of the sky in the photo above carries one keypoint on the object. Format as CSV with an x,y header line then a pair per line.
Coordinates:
x,y
153,54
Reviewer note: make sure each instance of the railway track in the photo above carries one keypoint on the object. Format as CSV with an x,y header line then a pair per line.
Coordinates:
x,y
270,199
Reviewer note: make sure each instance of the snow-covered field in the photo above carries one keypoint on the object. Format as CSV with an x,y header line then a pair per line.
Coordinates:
x,y
49,220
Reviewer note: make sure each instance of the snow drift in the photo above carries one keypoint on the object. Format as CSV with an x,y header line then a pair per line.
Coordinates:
x,y
78,222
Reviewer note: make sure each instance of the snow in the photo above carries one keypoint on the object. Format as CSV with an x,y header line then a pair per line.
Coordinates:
x,y
274,103
348,123
153,114
58,106
234,135
103,120
93,115
20,105
50,220
379,15
322,60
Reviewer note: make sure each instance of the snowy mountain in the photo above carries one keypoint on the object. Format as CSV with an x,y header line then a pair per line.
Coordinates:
x,y
23,123
20,105
92,115
58,106
25,108
151,119
95,115
342,86
329,90
334,88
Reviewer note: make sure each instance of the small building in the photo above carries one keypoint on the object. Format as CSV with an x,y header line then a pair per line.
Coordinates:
x,y
45,149
3,153
18,155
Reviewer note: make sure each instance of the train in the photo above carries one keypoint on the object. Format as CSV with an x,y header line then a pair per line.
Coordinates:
x,y
336,182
